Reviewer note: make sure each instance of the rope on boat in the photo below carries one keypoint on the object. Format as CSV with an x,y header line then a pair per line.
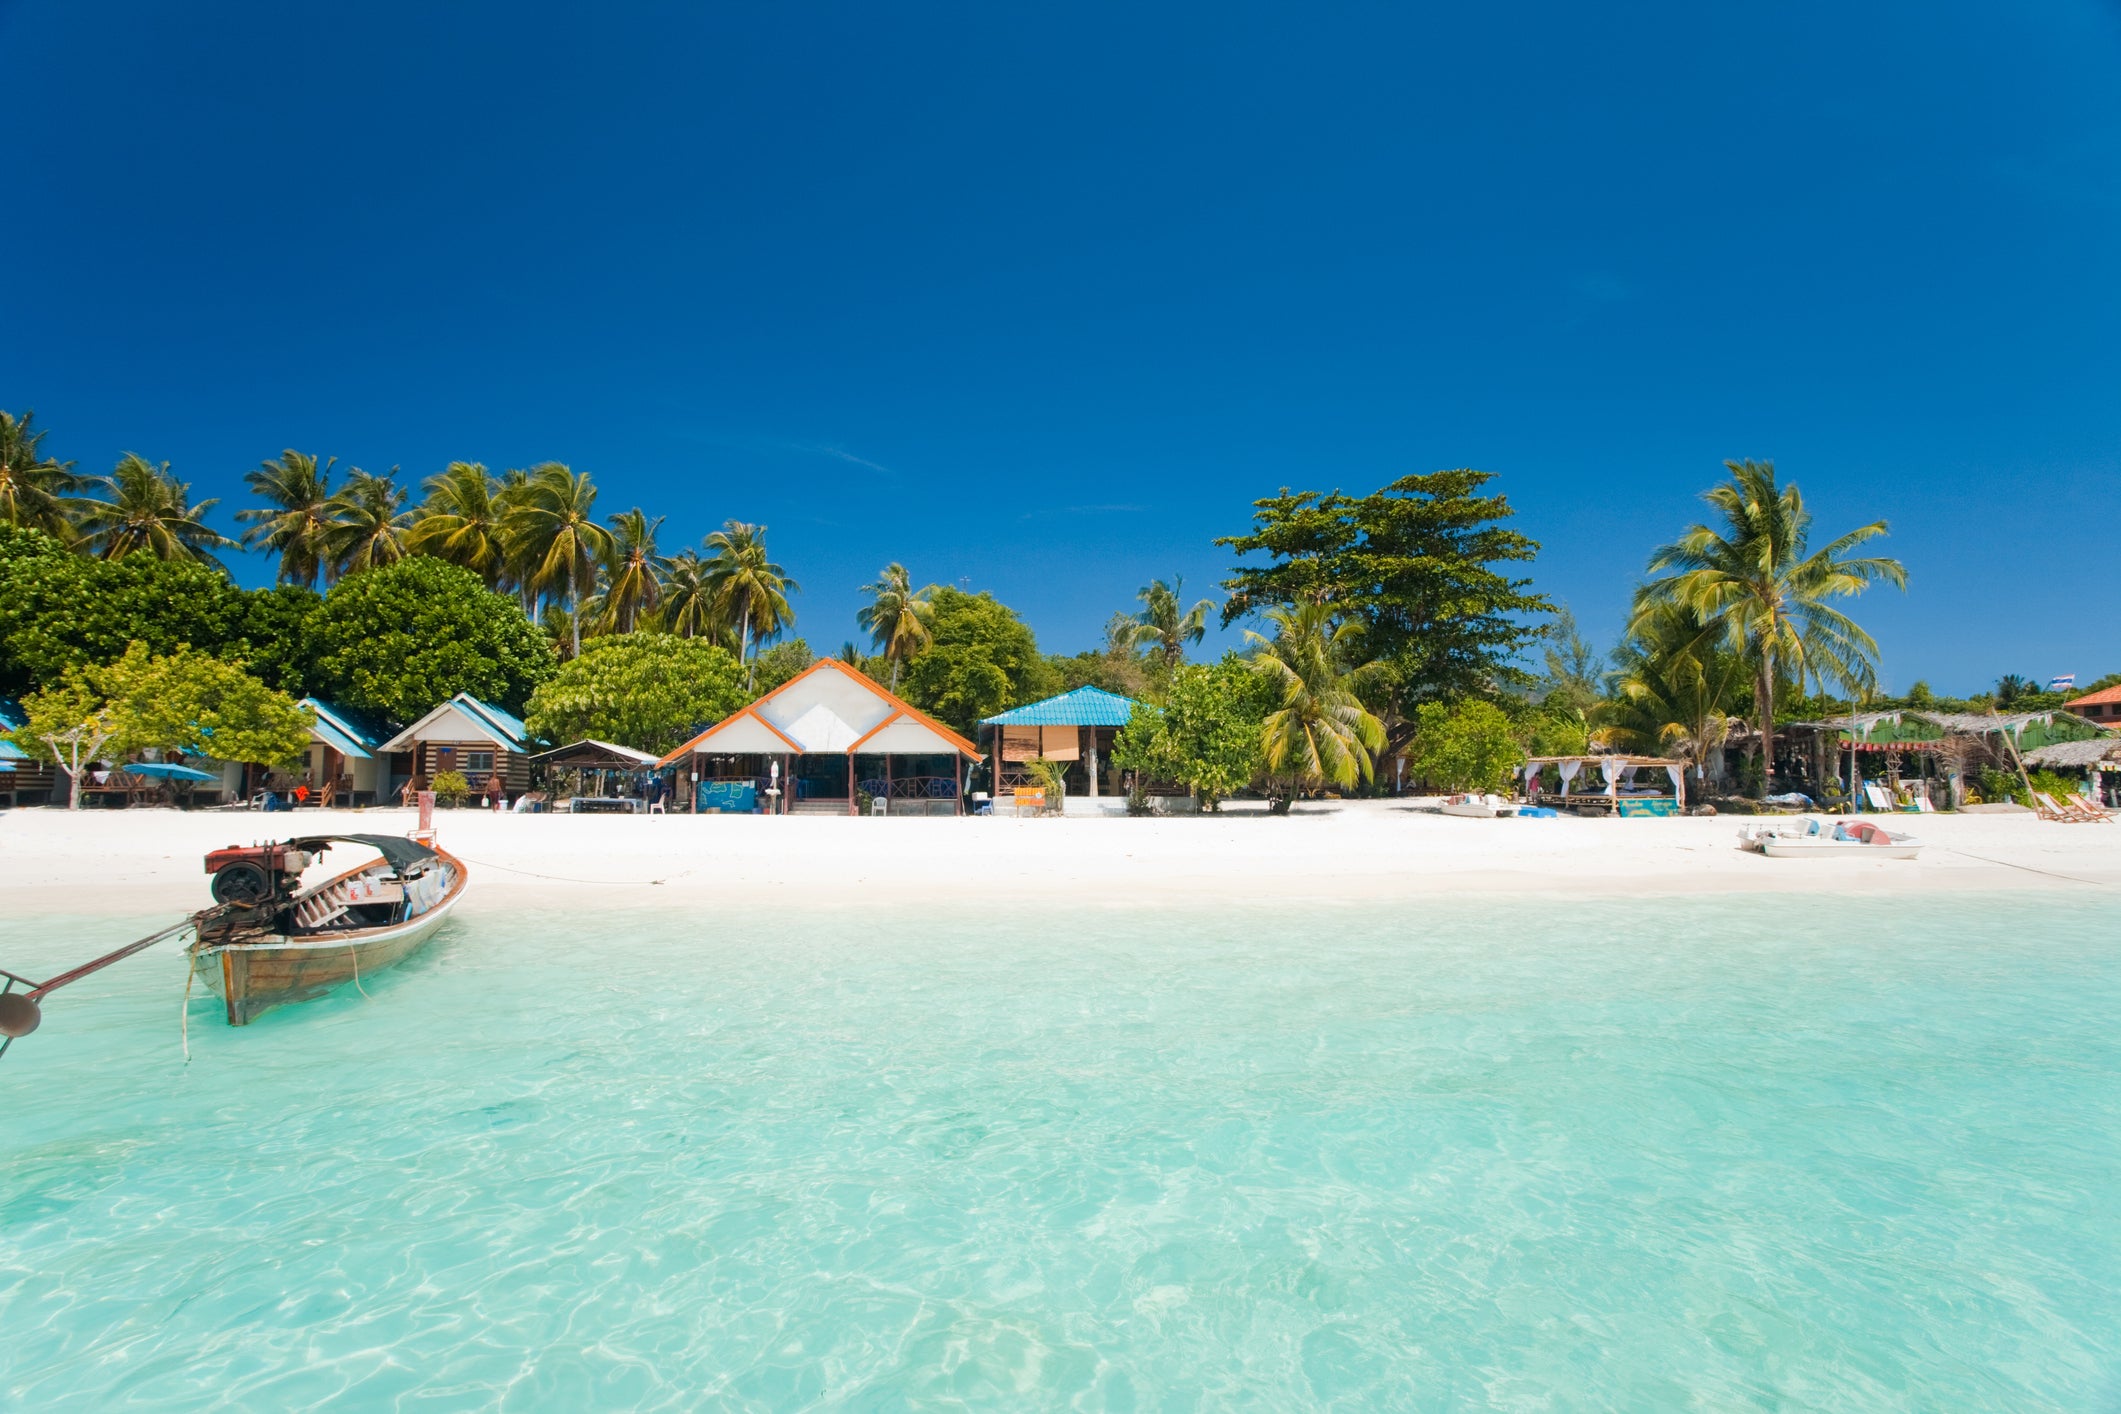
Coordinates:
x,y
355,955
564,879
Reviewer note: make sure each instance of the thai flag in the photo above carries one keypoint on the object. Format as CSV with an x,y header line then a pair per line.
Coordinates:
x,y
2067,680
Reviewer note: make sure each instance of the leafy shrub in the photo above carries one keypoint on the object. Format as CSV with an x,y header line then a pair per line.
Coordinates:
x,y
1469,747
451,788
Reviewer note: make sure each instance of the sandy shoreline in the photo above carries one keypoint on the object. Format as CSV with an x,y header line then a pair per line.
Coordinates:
x,y
148,860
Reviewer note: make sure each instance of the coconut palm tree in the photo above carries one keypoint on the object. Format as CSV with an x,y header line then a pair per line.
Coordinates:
x,y
558,541
461,521
1319,733
1166,628
1755,581
750,591
688,598
149,510
633,572
297,518
368,523
896,617
1675,688
34,488
516,566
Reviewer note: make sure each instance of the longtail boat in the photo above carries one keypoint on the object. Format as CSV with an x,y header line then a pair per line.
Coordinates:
x,y
282,943
268,941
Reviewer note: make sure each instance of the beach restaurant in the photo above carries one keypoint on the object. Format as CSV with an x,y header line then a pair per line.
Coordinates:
x,y
1075,729
1617,789
822,743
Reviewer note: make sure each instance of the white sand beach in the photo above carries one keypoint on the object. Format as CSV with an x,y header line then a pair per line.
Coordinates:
x,y
148,860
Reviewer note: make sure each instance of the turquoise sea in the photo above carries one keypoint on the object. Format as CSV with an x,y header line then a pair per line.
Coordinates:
x,y
1730,1154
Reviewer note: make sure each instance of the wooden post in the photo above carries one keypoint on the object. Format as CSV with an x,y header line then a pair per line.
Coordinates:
x,y
957,774
854,802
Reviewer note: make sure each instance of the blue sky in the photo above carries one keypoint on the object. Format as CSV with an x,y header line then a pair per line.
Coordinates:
x,y
1040,298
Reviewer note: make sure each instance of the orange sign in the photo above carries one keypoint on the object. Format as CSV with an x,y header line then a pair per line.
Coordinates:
x,y
1030,797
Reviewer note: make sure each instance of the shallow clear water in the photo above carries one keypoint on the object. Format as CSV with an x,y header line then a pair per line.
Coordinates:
x,y
1729,1154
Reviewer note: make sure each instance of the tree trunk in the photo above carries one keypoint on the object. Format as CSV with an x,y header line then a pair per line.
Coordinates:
x,y
574,618
1766,707
894,675
751,673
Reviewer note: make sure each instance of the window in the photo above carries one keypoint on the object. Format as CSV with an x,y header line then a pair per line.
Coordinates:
x,y
478,763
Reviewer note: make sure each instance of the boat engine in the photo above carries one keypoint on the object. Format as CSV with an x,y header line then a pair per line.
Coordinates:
x,y
251,875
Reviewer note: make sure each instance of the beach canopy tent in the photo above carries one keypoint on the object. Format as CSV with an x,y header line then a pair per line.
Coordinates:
x,y
1611,782
820,742
475,739
1075,729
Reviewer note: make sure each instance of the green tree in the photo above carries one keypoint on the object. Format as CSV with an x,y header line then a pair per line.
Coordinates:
x,y
35,489
649,691
149,510
980,659
778,664
195,703
69,723
896,617
273,640
750,591
1318,733
59,610
185,701
1465,746
1164,625
461,521
632,572
1755,582
368,524
1208,734
1417,565
296,520
1575,670
558,540
401,639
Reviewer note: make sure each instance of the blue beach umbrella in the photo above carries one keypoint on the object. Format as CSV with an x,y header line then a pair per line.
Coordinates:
x,y
165,771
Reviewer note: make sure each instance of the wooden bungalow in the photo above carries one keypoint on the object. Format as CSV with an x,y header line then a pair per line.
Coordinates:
x,y
818,745
475,739
24,780
1076,729
344,761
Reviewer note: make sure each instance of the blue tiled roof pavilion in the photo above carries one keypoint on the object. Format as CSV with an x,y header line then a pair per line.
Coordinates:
x,y
1084,707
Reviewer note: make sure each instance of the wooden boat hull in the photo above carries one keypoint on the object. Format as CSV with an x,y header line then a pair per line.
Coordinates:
x,y
251,978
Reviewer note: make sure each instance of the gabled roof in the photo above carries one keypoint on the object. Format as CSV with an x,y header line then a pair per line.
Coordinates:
x,y
2106,694
1086,706
491,722
819,728
335,731
589,754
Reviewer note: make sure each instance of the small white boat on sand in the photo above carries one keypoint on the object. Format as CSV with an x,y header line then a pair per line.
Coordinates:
x,y
1478,807
1809,837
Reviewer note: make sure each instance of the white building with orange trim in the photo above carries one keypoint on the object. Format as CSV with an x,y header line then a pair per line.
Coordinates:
x,y
819,744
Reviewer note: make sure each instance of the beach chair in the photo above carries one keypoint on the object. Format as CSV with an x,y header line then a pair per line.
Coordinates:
x,y
2088,809
2045,807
